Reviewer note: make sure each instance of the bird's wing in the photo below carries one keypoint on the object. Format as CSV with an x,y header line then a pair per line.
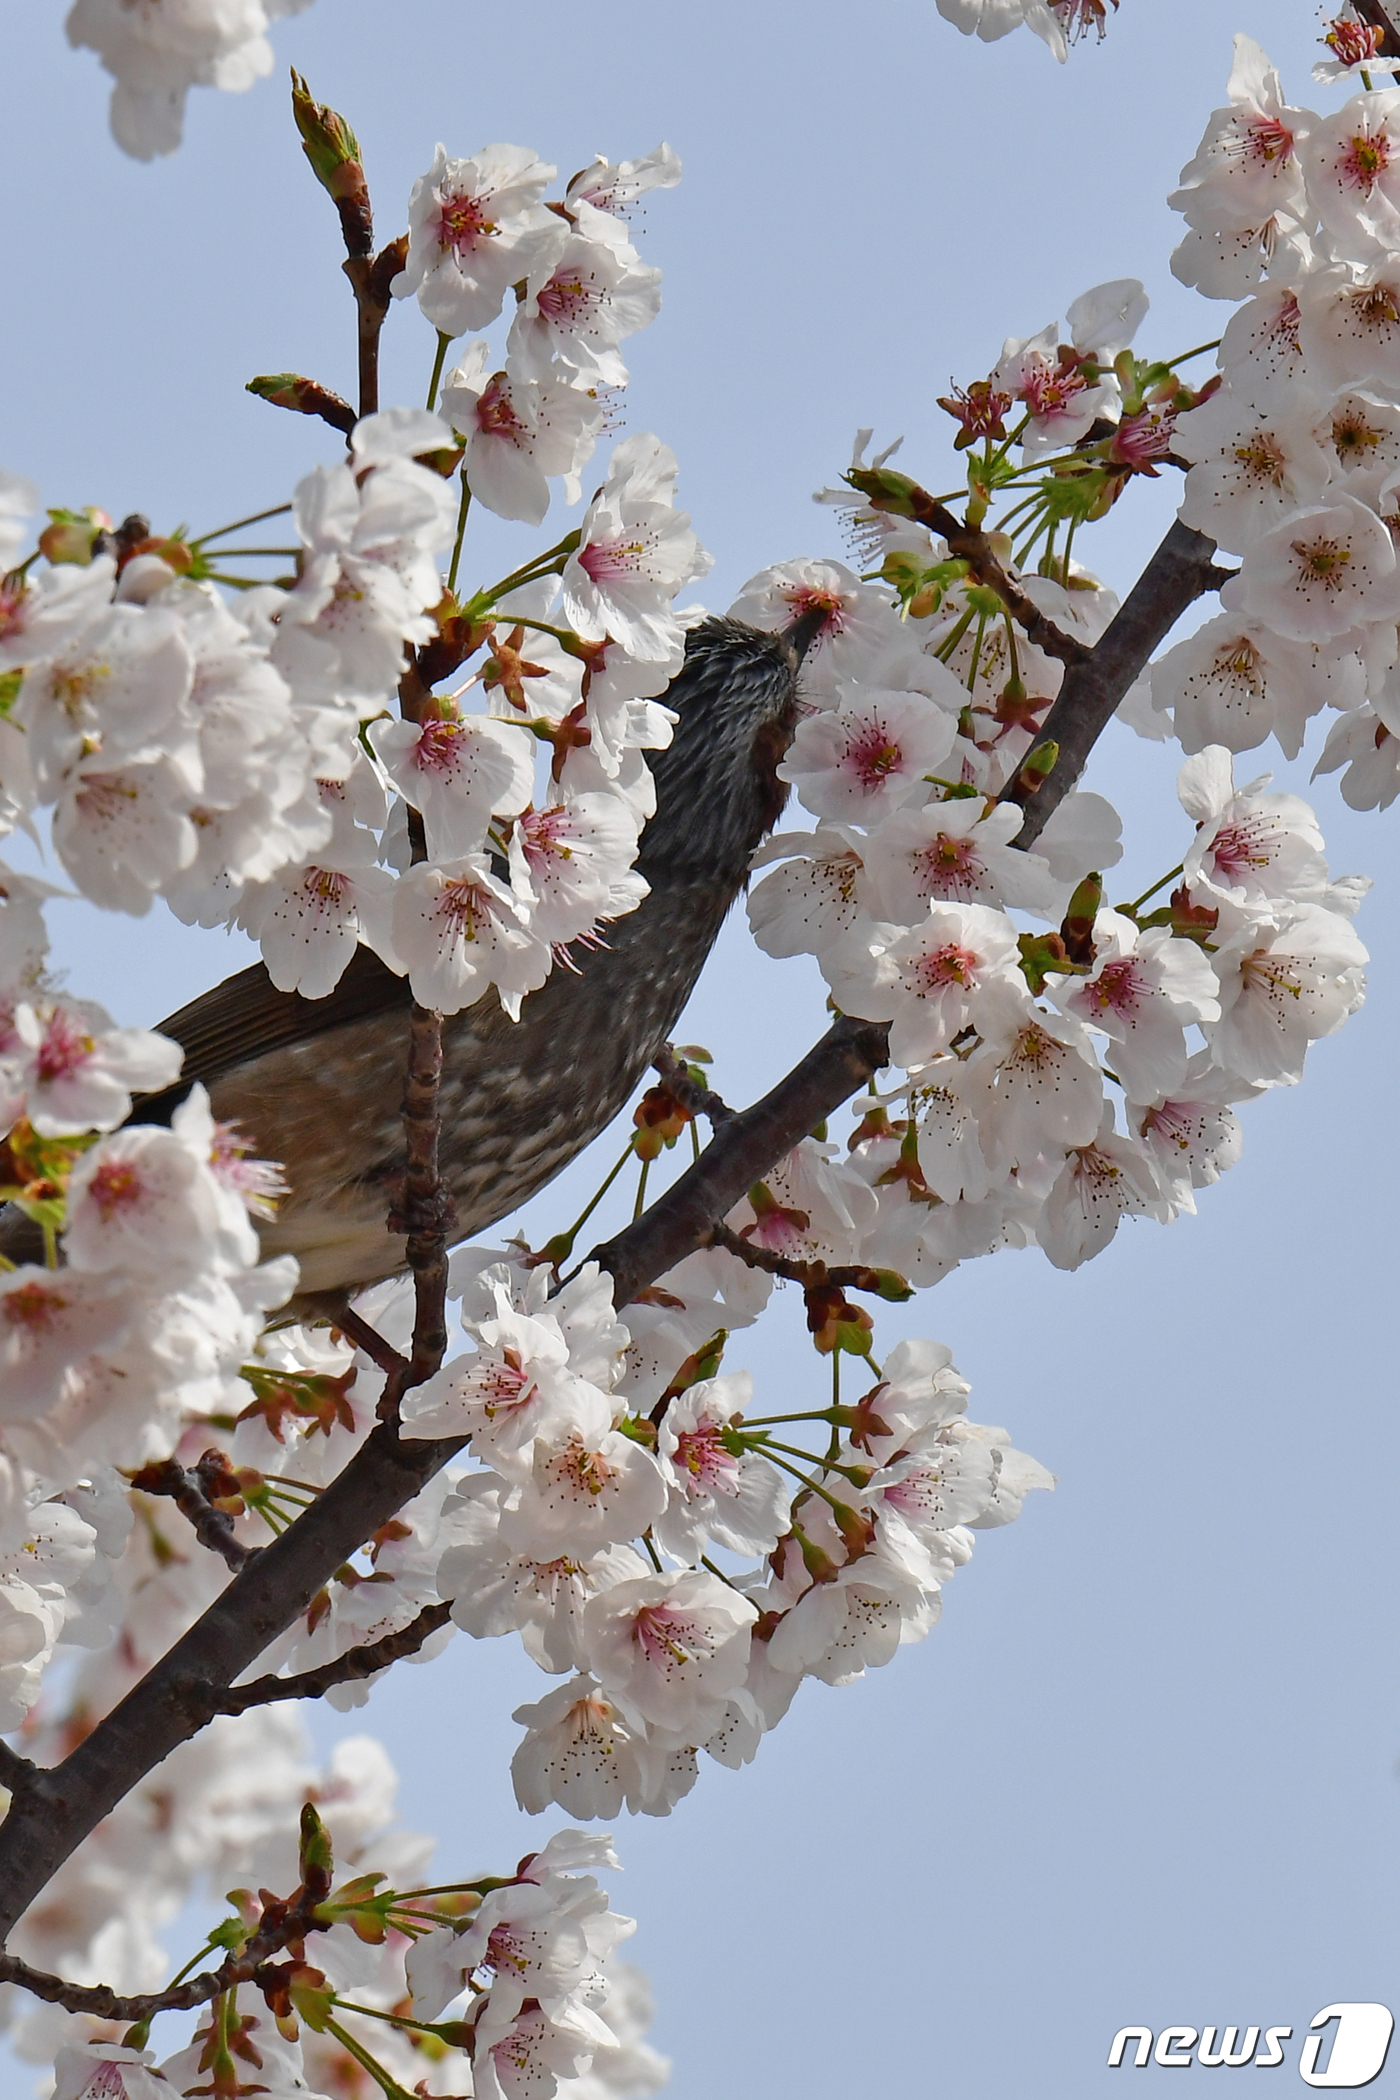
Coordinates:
x,y
246,1016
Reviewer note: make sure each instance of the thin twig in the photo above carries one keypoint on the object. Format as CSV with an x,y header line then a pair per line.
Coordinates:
x,y
692,1094
357,1329
812,1275
366,1660
370,281
213,1528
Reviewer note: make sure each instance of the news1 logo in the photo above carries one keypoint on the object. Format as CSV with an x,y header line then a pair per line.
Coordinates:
x,y
1355,2039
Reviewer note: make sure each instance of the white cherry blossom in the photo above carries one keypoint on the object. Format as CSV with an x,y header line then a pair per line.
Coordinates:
x,y
476,226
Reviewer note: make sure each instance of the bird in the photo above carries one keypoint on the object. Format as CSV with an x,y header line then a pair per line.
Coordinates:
x,y
317,1084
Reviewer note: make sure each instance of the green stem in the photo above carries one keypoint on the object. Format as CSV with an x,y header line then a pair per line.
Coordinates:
x,y
976,653
464,507
951,640
1147,895
278,511
288,553
565,1240
641,1191
813,1487
653,1556
389,2086
443,341
551,562
1186,355
50,1246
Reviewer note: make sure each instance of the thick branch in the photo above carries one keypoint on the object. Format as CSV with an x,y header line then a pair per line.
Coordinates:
x,y
745,1148
1176,576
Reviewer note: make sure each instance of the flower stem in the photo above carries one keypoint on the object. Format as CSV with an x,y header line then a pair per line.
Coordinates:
x,y
1147,895
443,341
465,506
279,510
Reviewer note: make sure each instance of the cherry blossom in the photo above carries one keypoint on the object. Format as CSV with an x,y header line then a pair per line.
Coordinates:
x,y
475,227
459,931
636,550
518,432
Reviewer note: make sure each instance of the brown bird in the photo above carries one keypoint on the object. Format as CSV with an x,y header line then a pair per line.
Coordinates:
x,y
318,1084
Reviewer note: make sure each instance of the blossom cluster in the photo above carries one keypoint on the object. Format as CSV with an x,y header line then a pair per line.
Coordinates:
x,y
1295,458
915,904
239,758
157,50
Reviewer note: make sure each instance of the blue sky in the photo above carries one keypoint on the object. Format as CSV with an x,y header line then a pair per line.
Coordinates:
x,y
1145,1768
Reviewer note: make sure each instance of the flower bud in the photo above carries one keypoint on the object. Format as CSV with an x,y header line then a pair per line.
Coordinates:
x,y
334,153
72,535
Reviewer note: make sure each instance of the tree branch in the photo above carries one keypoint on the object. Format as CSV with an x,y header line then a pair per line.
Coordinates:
x,y
692,1094
366,1660
812,1275
1178,573
55,1809
968,543
213,1528
370,281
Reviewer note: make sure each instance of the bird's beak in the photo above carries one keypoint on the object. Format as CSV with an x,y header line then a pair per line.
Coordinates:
x,y
805,629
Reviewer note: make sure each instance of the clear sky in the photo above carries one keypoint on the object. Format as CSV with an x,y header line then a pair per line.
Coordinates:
x,y
1144,1771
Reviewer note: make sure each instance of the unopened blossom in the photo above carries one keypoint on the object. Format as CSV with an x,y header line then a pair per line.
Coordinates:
x,y
518,432
1319,572
597,292
945,974
673,1647
735,1497
1283,983
459,931
860,760
476,227
1099,1185
1252,848
635,552
1144,991
458,771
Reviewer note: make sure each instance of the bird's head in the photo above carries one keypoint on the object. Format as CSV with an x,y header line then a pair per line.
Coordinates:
x,y
717,788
